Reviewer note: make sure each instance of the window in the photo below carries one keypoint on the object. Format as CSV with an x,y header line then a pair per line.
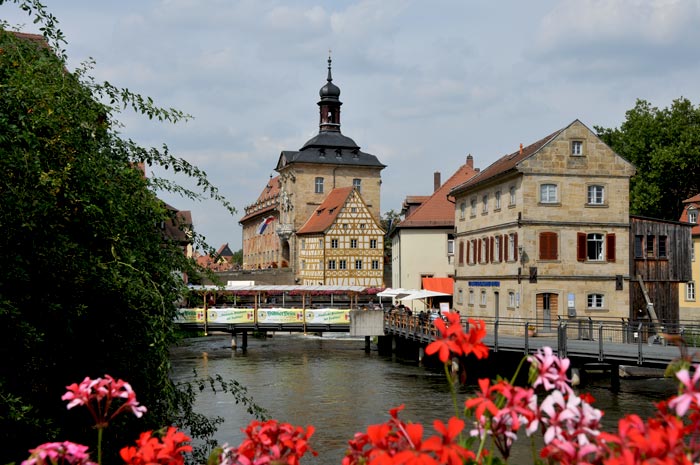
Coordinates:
x,y
357,184
595,247
548,193
303,244
549,246
345,226
512,246
471,255
358,264
342,265
692,215
319,186
511,190
484,250
690,290
372,243
596,301
576,148
483,297
471,296
473,207
662,247
353,209
362,225
375,264
497,257
353,243
638,246
320,243
460,296
485,202
511,299
462,210
596,195
497,200
303,264
650,246
450,246
334,243
331,264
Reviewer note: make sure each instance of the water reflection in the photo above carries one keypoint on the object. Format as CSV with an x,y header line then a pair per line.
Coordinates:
x,y
332,383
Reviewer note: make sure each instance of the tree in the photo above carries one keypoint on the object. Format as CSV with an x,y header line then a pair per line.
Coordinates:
x,y
238,257
389,222
88,279
664,145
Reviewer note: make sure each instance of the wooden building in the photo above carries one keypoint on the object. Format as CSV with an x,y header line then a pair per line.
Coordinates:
x,y
660,260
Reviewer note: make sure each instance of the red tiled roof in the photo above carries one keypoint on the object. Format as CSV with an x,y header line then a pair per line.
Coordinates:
x,y
507,162
437,210
694,201
36,38
269,192
326,213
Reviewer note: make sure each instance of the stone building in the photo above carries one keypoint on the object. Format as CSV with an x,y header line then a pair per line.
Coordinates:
x,y
328,161
544,232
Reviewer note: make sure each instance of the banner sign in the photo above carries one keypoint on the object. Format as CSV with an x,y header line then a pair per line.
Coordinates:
x,y
275,315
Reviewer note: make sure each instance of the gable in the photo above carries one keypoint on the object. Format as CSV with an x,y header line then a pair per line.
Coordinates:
x,y
557,156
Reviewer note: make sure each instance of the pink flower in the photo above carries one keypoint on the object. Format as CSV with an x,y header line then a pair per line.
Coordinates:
x,y
98,394
549,370
691,394
66,452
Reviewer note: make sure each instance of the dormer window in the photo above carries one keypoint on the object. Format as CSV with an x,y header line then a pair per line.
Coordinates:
x,y
692,215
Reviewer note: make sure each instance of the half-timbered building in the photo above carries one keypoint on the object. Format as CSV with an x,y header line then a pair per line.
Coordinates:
x,y
341,243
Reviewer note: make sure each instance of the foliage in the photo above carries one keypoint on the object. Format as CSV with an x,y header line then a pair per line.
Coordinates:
x,y
238,257
664,145
89,279
389,221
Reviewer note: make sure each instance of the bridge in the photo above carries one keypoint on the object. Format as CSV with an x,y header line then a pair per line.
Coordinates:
x,y
601,342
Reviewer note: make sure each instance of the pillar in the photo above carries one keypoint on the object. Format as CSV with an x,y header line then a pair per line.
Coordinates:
x,y
615,377
244,342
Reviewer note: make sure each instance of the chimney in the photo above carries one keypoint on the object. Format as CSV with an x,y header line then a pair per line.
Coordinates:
x,y
436,181
470,161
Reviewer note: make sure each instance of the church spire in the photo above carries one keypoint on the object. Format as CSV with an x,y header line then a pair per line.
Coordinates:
x,y
329,105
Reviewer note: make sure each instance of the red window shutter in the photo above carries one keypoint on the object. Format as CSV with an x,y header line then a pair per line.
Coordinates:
x,y
515,246
581,247
478,255
461,252
491,249
469,253
500,248
548,246
610,247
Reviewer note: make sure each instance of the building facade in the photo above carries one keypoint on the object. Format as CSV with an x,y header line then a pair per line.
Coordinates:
x,y
328,161
689,303
262,247
423,242
544,232
341,243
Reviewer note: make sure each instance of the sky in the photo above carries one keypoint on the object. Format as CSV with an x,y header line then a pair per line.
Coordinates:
x,y
423,83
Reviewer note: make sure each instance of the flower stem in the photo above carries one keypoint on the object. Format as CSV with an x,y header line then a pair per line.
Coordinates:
x,y
99,445
450,381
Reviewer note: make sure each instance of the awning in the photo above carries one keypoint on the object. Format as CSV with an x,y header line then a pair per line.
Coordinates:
x,y
445,285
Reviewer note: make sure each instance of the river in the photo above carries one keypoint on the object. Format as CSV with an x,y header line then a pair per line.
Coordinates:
x,y
331,383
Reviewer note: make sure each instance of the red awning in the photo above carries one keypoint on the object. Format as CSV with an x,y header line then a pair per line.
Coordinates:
x,y
445,285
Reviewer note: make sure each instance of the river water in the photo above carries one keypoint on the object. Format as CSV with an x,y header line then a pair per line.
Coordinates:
x,y
331,383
